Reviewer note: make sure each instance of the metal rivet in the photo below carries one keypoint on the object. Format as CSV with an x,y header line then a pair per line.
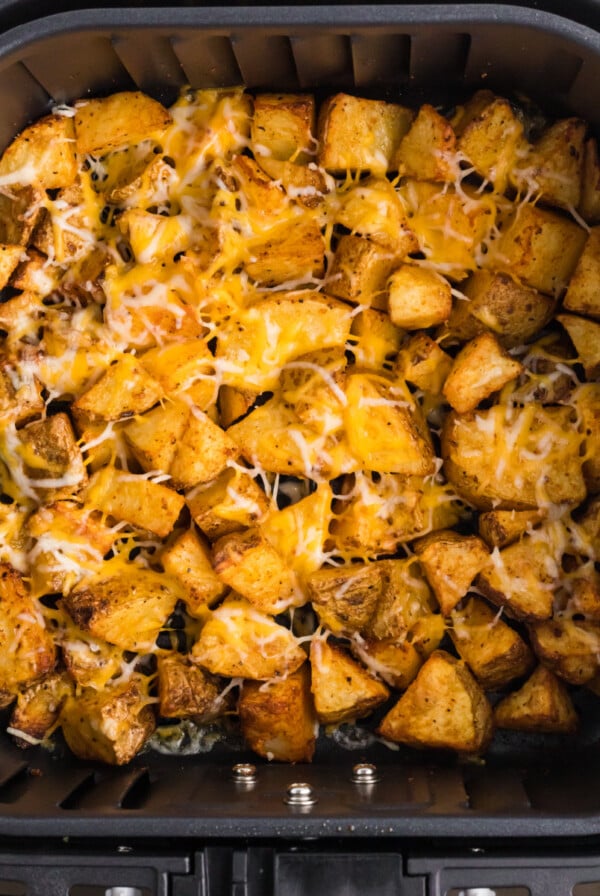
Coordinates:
x,y
300,794
244,773
365,773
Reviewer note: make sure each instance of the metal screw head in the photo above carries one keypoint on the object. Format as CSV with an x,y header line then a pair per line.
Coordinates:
x,y
365,773
244,773
300,794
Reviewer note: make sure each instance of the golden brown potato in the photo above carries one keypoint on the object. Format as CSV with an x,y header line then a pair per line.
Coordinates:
x,y
19,402
21,211
52,458
202,452
345,598
290,253
183,368
571,649
27,650
185,691
153,437
300,532
371,209
123,390
37,709
282,127
395,662
423,363
584,598
490,136
10,256
278,720
145,504
553,166
42,155
240,642
589,206
128,608
586,400
342,688
359,134
494,652
187,560
405,598
111,725
418,297
360,269
481,368
152,236
542,704
428,150
443,707
91,662
233,404
231,502
582,292
116,120
33,274
585,336
374,339
499,528
451,562
522,577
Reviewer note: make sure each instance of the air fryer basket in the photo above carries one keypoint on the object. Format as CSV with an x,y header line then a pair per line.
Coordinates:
x,y
528,787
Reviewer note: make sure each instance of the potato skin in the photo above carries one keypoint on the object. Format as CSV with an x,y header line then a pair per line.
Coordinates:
x,y
278,719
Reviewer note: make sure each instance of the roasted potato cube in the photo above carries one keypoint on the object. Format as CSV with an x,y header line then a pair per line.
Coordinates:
x,y
282,127
423,363
395,662
91,662
443,707
278,721
187,560
491,469
589,206
20,400
428,150
305,184
111,725
51,457
185,691
522,576
542,704
585,596
586,400
389,440
234,403
494,652
481,368
69,232
342,688
262,196
589,527
359,134
538,247
584,285
374,339
124,389
27,650
290,253
490,136
300,531
570,648
360,270
405,598
202,452
21,209
117,120
33,274
10,256
145,504
553,166
232,501
37,709
153,437
127,608
240,642
418,297
427,633
183,367
450,561
153,236
251,566
345,597
372,209
499,528
585,336
42,155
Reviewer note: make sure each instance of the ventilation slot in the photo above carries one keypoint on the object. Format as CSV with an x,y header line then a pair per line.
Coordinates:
x,y
495,790
13,784
152,65
380,59
323,59
76,798
109,790
265,61
438,57
448,790
23,99
136,795
208,61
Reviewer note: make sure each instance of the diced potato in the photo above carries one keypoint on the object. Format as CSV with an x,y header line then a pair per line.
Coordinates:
x,y
428,151
42,155
186,691
427,633
232,501
10,256
183,367
423,363
127,608
553,166
240,642
20,400
187,560
116,120
110,725
450,561
27,650
360,269
374,340
514,460
21,210
91,662
52,458
405,599
371,209
282,127
251,566
342,688
586,400
499,528
69,232
33,274
38,707
300,531
542,704
585,336
313,386
345,598
123,390
538,247
443,707
359,134
522,577
570,648
234,403
395,662
153,236
391,440
154,436
103,444
585,596
512,311
263,198
291,253
278,721
584,286
305,184
481,368
589,527
490,135
494,652
202,452
145,504
589,206
418,297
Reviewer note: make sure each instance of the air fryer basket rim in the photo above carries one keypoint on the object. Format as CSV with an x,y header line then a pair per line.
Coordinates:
x,y
198,797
